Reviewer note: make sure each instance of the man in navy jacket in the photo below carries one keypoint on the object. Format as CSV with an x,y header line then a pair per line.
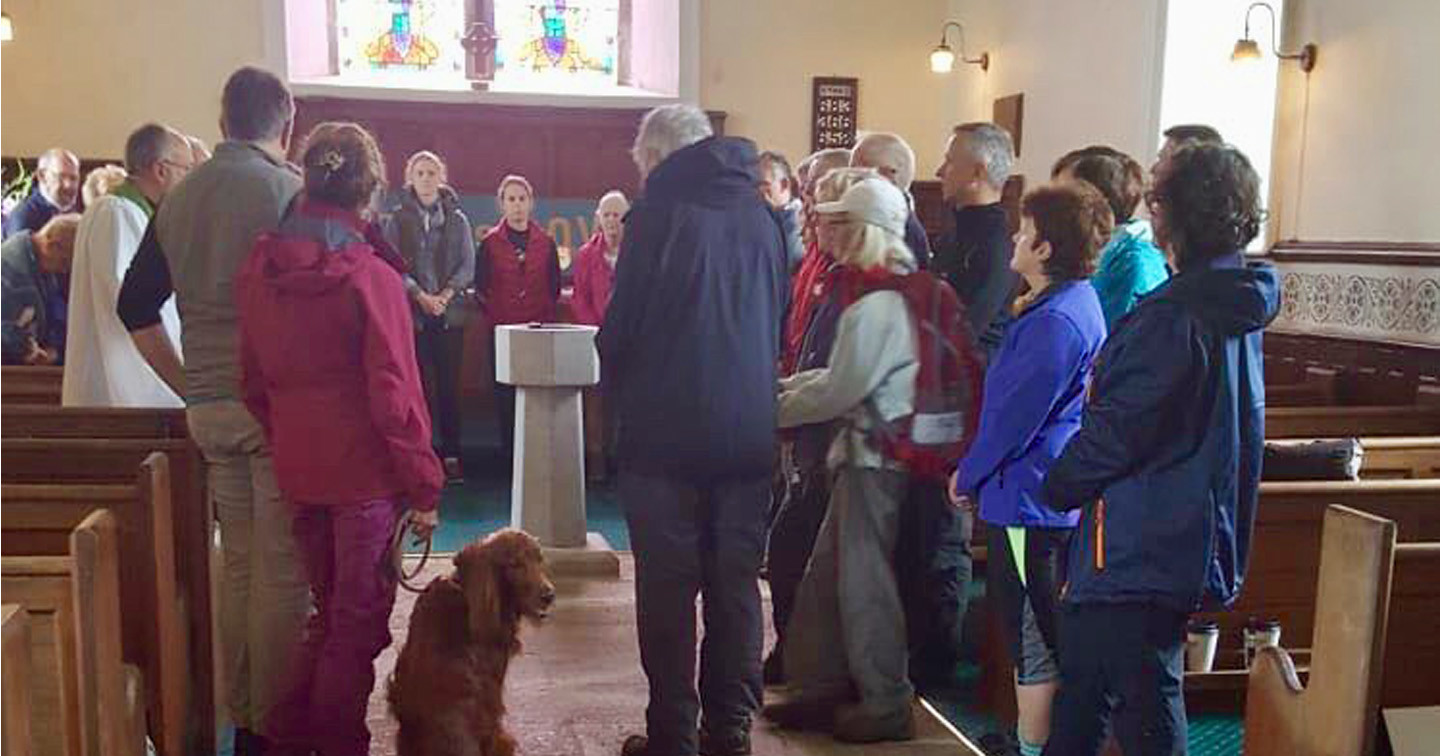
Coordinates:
x,y
690,348
1166,466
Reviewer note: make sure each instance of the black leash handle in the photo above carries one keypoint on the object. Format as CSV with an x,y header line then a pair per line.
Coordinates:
x,y
397,553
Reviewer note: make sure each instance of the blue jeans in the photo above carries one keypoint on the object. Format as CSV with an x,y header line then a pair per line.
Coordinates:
x,y
1120,663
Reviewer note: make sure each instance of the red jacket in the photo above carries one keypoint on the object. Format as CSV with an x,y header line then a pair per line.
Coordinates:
x,y
512,289
594,280
328,366
806,289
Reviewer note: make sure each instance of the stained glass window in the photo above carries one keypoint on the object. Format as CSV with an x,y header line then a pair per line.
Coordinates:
x,y
549,44
408,40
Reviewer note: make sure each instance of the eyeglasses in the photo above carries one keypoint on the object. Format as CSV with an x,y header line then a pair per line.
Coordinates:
x,y
182,167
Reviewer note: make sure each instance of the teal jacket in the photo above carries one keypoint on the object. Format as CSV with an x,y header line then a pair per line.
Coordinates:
x,y
1131,266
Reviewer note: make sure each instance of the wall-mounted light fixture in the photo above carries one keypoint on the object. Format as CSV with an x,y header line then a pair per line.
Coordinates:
x,y
7,30
1247,49
942,59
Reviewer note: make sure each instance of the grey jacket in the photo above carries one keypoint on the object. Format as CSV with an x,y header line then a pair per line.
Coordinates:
x,y
205,228
872,362
438,244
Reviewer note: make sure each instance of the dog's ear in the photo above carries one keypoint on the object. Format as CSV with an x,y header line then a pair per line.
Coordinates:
x,y
476,573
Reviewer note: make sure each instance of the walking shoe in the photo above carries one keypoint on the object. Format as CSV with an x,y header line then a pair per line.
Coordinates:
x,y
855,725
736,743
1000,744
801,714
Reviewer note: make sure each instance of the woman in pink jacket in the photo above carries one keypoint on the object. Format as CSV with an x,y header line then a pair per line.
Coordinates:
x,y
328,368
595,262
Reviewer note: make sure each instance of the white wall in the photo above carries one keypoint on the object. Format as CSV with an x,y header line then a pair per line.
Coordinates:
x,y
129,62
1089,70
759,57
1371,144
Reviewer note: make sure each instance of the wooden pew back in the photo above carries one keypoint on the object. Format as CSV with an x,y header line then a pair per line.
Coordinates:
x,y
29,384
38,519
1286,547
1340,422
44,587
89,703
15,625
80,461
38,421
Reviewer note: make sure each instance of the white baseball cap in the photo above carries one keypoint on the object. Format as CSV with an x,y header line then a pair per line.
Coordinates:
x,y
874,201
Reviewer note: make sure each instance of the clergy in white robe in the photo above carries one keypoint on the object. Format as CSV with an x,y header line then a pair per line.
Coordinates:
x,y
103,367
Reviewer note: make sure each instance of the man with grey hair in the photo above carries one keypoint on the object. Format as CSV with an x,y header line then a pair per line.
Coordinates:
x,y
193,249
102,366
892,157
57,186
976,259
689,351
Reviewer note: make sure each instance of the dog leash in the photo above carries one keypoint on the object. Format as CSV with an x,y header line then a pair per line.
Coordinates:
x,y
397,553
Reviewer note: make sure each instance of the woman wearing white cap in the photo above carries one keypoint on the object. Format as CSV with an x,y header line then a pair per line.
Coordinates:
x,y
848,604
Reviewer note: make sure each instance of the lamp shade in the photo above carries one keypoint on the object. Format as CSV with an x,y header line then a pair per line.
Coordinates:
x,y
1245,50
942,60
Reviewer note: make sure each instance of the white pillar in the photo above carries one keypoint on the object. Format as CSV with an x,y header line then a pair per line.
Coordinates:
x,y
549,365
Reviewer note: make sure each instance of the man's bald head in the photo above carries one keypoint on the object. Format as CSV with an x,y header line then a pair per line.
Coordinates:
x,y
888,154
58,172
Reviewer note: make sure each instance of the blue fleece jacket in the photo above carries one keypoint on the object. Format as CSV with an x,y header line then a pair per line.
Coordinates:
x,y
1034,393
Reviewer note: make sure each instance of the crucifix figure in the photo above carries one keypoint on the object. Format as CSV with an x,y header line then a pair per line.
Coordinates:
x,y
479,43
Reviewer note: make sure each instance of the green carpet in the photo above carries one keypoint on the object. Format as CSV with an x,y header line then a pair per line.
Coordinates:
x,y
482,505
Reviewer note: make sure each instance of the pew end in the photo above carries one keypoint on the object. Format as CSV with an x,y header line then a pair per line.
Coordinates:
x,y
17,683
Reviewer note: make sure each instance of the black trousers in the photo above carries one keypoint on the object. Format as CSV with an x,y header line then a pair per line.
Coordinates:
x,y
803,503
438,350
1121,663
697,539
933,568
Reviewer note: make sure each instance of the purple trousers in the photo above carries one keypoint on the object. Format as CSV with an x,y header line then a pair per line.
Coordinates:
x,y
345,550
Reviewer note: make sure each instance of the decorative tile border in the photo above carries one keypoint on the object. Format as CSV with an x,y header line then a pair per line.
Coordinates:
x,y
1362,301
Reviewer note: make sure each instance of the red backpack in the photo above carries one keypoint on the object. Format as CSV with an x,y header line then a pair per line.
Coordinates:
x,y
948,385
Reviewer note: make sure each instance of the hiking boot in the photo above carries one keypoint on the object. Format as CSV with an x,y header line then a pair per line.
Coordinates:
x,y
856,725
736,743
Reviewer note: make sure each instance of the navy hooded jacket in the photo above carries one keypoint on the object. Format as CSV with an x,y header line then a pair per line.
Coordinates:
x,y
1166,466
691,340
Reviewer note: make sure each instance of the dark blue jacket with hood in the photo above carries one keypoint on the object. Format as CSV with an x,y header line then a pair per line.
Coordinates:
x,y
1166,466
691,341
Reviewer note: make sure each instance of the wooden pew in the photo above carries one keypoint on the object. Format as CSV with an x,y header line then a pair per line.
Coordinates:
x,y
37,421
1318,387
27,384
1285,560
1375,645
15,622
1337,713
88,702
37,520
92,461
1339,422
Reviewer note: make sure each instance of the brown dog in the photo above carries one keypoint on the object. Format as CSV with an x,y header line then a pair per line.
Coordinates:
x,y
447,687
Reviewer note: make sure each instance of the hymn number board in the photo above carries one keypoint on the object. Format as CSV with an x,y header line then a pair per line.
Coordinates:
x,y
836,109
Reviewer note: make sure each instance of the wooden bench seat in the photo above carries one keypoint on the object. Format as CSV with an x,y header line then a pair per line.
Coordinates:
x,y
70,461
87,702
30,384
1344,422
37,520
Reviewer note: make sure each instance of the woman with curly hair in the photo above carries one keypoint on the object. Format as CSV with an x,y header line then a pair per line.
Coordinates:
x,y
1165,469
327,354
